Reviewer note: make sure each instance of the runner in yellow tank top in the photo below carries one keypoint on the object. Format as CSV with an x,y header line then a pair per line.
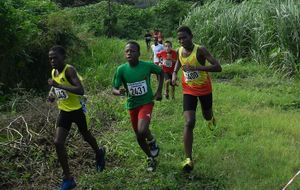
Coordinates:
x,y
66,100
195,82
196,85
67,89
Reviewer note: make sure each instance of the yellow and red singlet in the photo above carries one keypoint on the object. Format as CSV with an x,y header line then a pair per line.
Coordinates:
x,y
196,83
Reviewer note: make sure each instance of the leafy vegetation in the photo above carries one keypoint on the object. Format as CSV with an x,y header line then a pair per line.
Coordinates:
x,y
28,31
30,28
254,147
129,22
265,31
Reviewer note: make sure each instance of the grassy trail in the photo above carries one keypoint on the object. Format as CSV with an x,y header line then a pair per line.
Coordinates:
x,y
254,147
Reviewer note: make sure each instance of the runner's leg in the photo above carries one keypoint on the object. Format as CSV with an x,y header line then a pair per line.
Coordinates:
x,y
62,131
189,106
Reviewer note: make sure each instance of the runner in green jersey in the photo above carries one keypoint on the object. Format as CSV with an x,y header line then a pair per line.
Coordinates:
x,y
135,77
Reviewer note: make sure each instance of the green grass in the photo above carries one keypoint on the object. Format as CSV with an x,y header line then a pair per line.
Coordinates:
x,y
256,144
262,30
254,147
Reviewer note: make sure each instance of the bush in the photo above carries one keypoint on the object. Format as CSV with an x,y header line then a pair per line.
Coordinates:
x,y
128,22
167,15
26,36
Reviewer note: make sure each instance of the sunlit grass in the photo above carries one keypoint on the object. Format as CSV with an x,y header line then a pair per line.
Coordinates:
x,y
254,146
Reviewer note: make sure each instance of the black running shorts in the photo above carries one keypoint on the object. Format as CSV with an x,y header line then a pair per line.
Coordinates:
x,y
65,120
190,102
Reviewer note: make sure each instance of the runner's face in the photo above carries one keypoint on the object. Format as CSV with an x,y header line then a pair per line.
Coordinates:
x,y
56,60
184,39
131,53
168,47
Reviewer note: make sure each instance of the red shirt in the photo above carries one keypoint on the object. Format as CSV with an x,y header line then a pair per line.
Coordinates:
x,y
168,60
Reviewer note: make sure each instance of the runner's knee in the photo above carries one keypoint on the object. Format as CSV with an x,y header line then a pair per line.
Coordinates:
x,y
86,135
141,133
190,123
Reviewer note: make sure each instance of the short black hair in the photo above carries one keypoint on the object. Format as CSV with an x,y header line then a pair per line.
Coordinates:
x,y
169,42
134,43
185,29
60,49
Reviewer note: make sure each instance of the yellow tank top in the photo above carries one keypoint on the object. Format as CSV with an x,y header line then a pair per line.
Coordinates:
x,y
66,101
196,83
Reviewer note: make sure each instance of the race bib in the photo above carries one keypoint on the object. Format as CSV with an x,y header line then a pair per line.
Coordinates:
x,y
191,75
83,104
60,93
137,88
168,63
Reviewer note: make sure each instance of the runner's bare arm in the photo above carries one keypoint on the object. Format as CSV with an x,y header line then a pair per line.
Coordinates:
x,y
214,66
176,69
72,77
119,92
158,94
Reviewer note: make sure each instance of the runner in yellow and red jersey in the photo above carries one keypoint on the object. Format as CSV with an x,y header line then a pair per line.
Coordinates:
x,y
196,84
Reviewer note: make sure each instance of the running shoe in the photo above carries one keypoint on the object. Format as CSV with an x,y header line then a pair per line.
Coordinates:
x,y
68,184
188,165
152,163
100,160
154,149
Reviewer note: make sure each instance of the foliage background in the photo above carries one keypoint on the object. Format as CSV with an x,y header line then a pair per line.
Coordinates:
x,y
256,97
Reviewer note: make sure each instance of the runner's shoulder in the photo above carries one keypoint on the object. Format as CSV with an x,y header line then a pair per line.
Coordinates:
x,y
123,66
70,70
146,62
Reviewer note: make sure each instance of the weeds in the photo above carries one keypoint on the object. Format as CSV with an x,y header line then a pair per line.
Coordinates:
x,y
28,158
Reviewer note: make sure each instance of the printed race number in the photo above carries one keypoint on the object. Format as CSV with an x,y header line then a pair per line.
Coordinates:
x,y
60,93
137,88
191,75
168,63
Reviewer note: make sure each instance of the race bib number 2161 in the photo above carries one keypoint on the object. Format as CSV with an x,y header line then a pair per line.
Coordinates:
x,y
137,88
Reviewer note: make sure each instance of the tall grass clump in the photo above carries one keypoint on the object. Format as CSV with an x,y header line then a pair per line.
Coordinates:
x,y
88,18
97,65
266,31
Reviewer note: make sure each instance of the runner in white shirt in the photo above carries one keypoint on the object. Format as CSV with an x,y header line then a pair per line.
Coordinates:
x,y
156,47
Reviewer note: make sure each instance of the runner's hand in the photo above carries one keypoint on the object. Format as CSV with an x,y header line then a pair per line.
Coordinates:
x,y
122,91
188,68
174,79
50,99
51,82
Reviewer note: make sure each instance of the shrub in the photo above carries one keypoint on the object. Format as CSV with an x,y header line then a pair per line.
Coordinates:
x,y
27,34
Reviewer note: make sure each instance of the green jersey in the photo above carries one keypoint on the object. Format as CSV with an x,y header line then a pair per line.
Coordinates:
x,y
136,80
